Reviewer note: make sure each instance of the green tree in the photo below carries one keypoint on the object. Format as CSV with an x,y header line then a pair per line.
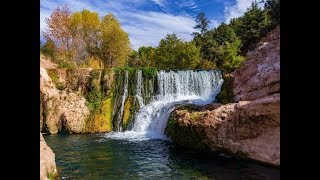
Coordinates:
x,y
251,26
173,53
202,25
220,47
230,57
115,44
273,9
133,59
146,56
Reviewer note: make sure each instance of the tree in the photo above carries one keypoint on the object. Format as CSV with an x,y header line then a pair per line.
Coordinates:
x,y
146,56
273,9
133,59
59,30
84,27
251,26
230,57
220,47
202,25
115,44
173,53
224,33
81,38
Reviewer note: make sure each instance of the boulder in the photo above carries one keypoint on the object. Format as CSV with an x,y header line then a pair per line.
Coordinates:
x,y
247,129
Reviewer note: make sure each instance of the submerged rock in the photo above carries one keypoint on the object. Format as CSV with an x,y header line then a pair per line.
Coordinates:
x,y
48,169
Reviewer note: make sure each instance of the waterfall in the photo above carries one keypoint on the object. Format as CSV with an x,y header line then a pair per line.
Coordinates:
x,y
139,88
124,97
175,88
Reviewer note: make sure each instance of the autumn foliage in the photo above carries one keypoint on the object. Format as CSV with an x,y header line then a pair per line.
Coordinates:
x,y
83,39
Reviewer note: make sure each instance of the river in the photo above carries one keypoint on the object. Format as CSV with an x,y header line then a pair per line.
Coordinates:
x,y
95,156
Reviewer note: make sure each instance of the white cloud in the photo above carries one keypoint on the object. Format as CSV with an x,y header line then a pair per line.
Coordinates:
x,y
150,27
238,9
47,6
213,24
159,2
144,28
188,3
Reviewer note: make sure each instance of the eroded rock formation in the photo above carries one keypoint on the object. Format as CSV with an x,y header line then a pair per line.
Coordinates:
x,y
60,109
259,76
248,128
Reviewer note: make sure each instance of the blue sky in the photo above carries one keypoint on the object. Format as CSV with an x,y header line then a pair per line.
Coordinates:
x,y
148,21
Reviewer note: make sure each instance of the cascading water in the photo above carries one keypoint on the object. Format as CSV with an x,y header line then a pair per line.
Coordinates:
x,y
124,97
139,88
174,88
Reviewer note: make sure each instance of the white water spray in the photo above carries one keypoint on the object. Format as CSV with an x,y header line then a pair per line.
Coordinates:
x,y
174,88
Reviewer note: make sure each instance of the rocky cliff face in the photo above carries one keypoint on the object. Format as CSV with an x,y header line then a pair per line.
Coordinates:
x,y
249,128
259,76
60,109
48,169
92,100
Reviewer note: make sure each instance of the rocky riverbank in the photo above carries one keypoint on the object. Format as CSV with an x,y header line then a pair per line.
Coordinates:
x,y
48,169
250,126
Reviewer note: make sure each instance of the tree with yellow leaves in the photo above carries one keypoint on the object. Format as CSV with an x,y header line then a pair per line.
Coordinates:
x,y
83,38
115,44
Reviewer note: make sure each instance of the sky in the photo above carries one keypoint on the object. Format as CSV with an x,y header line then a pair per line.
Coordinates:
x,y
148,21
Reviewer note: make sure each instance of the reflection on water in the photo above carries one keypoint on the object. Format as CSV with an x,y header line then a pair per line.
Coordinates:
x,y
94,156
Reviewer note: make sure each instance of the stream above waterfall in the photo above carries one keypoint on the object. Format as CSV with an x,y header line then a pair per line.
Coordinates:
x,y
92,156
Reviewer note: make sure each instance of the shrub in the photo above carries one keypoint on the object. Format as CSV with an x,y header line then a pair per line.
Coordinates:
x,y
149,72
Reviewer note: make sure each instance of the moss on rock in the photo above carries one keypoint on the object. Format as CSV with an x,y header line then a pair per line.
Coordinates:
x,y
94,92
127,111
226,94
101,120
183,134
